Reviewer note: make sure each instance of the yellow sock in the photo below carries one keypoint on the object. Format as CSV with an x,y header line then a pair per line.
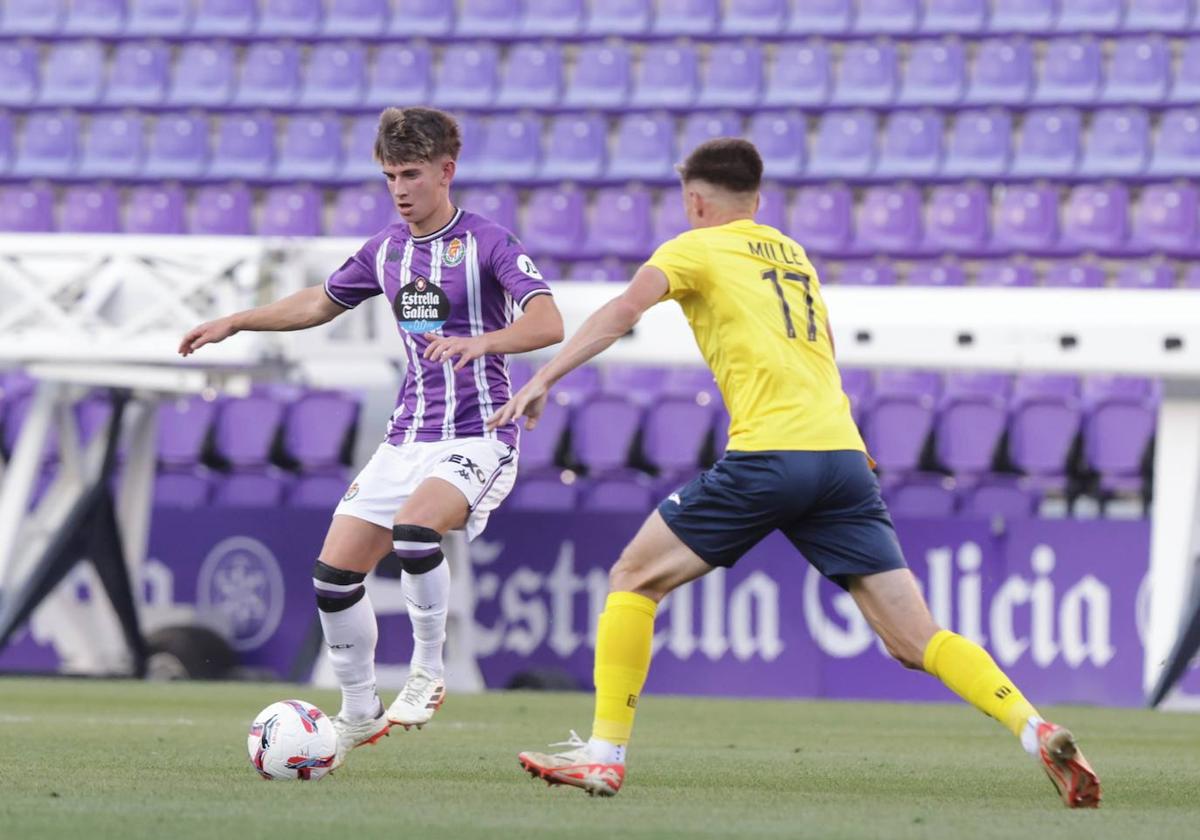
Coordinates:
x,y
973,675
623,641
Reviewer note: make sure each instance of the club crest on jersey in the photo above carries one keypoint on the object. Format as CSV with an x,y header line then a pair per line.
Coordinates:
x,y
455,253
421,306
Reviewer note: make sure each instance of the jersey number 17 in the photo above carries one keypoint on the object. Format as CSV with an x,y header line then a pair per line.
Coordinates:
x,y
794,277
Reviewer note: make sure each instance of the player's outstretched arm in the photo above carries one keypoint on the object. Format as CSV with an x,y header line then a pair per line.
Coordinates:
x,y
306,308
540,325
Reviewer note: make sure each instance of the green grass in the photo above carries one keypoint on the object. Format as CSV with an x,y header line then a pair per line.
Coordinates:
x,y
93,760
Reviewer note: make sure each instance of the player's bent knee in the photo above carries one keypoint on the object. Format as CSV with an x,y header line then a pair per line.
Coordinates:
x,y
337,589
419,548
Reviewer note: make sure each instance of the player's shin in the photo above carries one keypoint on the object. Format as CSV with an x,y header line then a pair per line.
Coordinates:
x,y
971,673
623,643
348,622
426,587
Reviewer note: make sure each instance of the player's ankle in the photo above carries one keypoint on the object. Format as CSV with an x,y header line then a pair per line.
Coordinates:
x,y
606,752
1029,736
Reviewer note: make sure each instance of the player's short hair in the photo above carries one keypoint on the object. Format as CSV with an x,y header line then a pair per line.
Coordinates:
x,y
416,134
727,162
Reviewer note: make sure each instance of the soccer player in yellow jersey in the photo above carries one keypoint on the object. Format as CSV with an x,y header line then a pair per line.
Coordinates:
x,y
795,462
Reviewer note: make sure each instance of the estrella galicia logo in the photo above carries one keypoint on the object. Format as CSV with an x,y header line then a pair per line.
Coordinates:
x,y
241,586
421,306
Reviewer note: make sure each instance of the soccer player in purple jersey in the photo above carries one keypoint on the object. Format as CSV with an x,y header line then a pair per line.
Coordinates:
x,y
455,281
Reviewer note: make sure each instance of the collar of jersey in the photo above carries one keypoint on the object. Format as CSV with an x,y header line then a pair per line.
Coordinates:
x,y
429,237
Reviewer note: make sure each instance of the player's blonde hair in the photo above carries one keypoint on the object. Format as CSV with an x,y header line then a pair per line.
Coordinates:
x,y
407,135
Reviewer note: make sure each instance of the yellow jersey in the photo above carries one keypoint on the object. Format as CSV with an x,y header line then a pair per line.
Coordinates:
x,y
754,303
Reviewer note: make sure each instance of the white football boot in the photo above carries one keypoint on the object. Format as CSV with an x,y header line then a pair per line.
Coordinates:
x,y
357,733
422,695
576,767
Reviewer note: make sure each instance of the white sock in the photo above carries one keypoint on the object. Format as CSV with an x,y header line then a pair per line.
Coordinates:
x,y
350,636
427,597
1029,737
606,751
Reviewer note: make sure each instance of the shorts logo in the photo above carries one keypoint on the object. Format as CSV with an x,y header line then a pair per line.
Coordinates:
x,y
674,497
351,492
527,267
632,701
456,252
469,468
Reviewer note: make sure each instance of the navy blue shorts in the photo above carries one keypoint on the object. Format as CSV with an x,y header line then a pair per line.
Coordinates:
x,y
826,503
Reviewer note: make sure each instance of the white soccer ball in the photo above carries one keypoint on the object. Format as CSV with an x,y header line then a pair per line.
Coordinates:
x,y
292,739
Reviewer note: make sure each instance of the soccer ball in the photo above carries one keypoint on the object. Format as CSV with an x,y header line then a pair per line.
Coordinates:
x,y
292,739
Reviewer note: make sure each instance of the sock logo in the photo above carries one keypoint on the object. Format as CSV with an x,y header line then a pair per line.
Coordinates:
x,y
632,701
1003,691
341,647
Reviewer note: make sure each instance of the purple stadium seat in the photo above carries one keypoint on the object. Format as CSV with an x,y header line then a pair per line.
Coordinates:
x,y
732,76
356,18
1138,275
693,383
400,73
158,17
72,74
911,145
421,18
915,384
497,203
1096,217
1073,275
539,446
1002,73
619,17
317,491
553,222
258,490
183,427
800,75
821,219
922,495
291,211
772,208
1166,219
204,74
1026,219
844,145
867,274
578,386
1118,143
754,17
885,17
245,430
545,493
576,146
665,77
1177,149
954,16
90,209
1158,15
334,76
1139,71
26,209
552,18
1048,143
675,434
531,77
138,74
601,77
113,147
488,18
597,271
701,127
968,430
632,494
602,433
857,385
358,162
1005,273
317,429
155,209
1022,15
888,220
94,18
1045,420
979,144
32,17
1098,389
511,148
956,219
178,147
188,490
1005,496
900,418
360,211
18,74
466,76
670,217
867,74
311,149
220,210
974,384
289,18
644,148
780,138
1090,15
471,129
270,75
936,274
620,224
1070,73
640,384
821,17
224,18
935,74
1117,429
244,147
48,146
685,17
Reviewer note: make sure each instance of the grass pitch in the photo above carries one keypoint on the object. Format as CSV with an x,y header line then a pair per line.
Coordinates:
x,y
85,759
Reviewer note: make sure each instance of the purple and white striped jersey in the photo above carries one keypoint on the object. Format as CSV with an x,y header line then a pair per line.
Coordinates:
x,y
466,279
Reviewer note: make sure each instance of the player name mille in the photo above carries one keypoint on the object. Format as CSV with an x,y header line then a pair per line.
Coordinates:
x,y
768,251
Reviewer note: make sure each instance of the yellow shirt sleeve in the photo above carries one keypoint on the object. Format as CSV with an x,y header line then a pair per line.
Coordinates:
x,y
683,260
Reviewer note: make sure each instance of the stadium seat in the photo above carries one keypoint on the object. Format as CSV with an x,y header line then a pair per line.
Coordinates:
x,y
780,138
317,429
317,491
90,209
867,74
644,148
72,74
1002,73
1139,71
602,433
935,74
186,490
421,19
291,211
356,18
772,208
821,17
531,77
670,219
640,384
867,274
32,17
488,18
1165,218
685,17
900,419
704,126
844,146
270,75
553,222
545,493
911,146
511,148
220,210
1023,15
183,427
204,74
358,163
601,77
968,430
1005,273
466,76
252,490
1177,149
665,77
552,18
48,145
578,386
732,76
1117,143
289,18
821,219
620,224
1158,15
94,18
539,446
979,144
360,211
675,433
178,147
956,219
244,430
163,18
1090,15
1117,428
1070,72
471,129
1096,218
310,149
1138,275
155,209
619,17
857,385
1186,87
113,147
1073,275
1006,496
400,73
976,383
597,271
886,17
1047,143
921,495
224,18
798,75
498,203
576,147
953,17
632,494
334,76
18,74
754,17
936,274
888,221
138,74
244,147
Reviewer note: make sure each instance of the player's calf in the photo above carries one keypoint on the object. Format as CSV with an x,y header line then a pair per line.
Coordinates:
x,y
426,587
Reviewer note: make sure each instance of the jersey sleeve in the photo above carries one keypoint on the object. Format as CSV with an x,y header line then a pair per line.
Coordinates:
x,y
515,270
683,260
356,280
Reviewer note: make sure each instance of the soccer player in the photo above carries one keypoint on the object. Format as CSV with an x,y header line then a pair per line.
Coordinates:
x,y
795,462
454,280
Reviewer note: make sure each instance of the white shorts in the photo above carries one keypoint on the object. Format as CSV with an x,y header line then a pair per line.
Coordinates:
x,y
482,469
